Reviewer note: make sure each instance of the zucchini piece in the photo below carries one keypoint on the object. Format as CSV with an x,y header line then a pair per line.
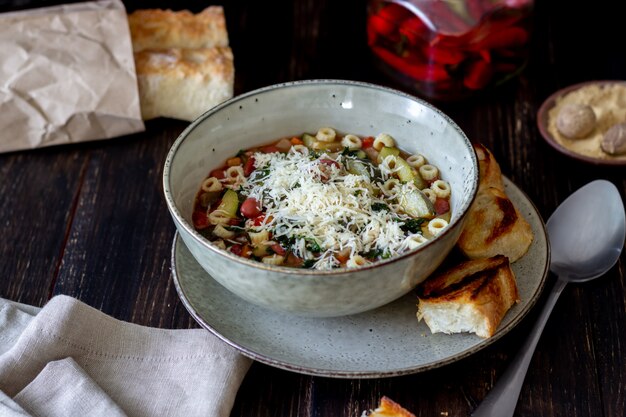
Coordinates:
x,y
416,204
261,251
405,171
386,151
357,167
308,140
229,204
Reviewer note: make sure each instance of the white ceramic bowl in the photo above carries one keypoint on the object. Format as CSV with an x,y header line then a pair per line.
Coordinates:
x,y
267,114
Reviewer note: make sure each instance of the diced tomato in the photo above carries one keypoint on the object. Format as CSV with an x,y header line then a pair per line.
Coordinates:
x,y
269,149
200,219
279,250
248,167
259,220
233,162
330,162
236,249
217,173
250,208
368,142
442,206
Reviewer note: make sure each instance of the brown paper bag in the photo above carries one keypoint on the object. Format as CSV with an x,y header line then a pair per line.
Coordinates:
x,y
67,75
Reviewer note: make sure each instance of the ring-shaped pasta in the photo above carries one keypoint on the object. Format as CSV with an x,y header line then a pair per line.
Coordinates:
x,y
351,142
326,134
430,194
273,259
382,140
416,160
221,231
211,184
301,149
219,217
235,174
441,188
390,186
356,260
436,225
429,172
416,240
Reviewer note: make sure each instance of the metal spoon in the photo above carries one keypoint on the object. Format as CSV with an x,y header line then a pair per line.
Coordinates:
x,y
586,234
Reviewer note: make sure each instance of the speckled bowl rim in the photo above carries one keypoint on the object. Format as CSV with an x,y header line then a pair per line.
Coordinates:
x,y
543,119
303,273
289,366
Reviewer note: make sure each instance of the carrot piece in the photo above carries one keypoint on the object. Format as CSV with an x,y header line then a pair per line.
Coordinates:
x,y
233,162
296,141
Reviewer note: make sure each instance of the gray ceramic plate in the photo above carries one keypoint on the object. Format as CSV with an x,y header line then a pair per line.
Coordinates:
x,y
384,342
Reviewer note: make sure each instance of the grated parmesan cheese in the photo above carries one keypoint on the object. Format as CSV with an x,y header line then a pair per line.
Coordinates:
x,y
317,201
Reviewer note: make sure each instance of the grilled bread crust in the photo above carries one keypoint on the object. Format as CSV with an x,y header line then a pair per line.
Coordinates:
x,y
473,296
494,226
389,408
488,168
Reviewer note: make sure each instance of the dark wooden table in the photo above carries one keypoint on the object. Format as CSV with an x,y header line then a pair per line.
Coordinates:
x,y
89,220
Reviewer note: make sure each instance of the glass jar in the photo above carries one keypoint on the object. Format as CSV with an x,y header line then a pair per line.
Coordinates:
x,y
449,49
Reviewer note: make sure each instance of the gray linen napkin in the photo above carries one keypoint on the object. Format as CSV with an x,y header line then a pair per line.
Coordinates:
x,y
70,359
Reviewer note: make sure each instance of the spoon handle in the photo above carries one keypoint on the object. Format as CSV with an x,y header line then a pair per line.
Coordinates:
x,y
502,399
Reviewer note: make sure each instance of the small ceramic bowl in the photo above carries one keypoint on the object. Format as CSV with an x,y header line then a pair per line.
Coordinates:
x,y
262,116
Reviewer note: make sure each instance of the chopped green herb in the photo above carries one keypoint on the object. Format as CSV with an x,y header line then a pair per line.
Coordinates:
x,y
312,245
308,263
380,207
413,225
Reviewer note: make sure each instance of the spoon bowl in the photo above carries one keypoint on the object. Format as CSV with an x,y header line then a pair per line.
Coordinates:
x,y
586,234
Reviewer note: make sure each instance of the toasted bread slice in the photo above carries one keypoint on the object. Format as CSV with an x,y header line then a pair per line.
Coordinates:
x,y
183,83
490,174
471,297
389,408
494,226
165,29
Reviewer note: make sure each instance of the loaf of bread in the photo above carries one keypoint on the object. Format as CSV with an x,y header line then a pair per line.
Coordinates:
x,y
493,226
388,408
183,62
471,297
165,29
183,83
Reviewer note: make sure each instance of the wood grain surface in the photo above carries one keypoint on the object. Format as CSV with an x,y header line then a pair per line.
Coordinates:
x,y
89,220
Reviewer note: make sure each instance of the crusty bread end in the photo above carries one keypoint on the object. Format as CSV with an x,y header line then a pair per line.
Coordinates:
x,y
388,408
471,297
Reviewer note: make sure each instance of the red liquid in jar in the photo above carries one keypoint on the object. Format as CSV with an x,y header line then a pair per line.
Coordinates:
x,y
485,42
